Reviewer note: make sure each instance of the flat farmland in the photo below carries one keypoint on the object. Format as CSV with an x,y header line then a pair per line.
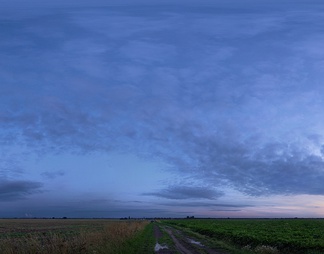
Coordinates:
x,y
73,236
22,227
260,235
190,236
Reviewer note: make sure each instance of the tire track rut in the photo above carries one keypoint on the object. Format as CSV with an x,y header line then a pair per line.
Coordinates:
x,y
182,243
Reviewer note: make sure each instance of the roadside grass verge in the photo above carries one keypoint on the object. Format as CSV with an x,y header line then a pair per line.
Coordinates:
x,y
142,242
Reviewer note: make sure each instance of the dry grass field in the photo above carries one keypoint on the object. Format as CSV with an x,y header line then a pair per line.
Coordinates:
x,y
22,236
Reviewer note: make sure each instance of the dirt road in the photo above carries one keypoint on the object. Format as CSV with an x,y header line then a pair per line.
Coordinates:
x,y
181,243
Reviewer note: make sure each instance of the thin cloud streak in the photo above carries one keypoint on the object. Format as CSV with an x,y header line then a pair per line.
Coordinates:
x,y
186,192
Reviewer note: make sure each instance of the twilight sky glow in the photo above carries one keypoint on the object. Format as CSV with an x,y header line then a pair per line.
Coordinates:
x,y
162,108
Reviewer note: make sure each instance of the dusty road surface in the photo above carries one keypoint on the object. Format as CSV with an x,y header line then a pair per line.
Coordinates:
x,y
181,243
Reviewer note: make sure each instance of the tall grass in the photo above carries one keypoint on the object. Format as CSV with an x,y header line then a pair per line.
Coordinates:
x,y
106,240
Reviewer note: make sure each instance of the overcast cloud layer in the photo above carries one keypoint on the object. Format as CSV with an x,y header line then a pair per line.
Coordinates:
x,y
221,98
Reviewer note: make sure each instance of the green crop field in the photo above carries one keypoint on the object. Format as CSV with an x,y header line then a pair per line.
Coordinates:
x,y
278,235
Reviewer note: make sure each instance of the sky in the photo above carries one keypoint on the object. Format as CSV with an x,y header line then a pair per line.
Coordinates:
x,y
161,108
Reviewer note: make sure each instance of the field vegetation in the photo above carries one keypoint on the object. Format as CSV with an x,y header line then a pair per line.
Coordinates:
x,y
238,236
304,236
22,236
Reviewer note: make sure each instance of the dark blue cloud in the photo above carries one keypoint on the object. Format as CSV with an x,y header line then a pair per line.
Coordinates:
x,y
13,190
272,168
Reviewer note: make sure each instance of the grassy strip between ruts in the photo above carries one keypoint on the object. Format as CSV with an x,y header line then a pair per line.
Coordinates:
x,y
166,239
262,235
142,242
101,236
